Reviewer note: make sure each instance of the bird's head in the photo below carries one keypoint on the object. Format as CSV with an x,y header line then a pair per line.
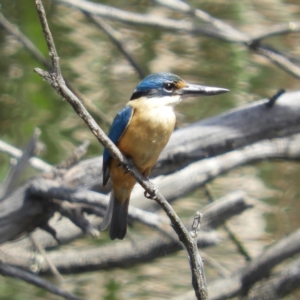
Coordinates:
x,y
169,89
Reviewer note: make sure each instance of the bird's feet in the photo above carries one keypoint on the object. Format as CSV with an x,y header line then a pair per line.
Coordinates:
x,y
152,195
128,166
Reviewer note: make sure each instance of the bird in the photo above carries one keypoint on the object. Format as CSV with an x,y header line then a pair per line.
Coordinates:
x,y
141,130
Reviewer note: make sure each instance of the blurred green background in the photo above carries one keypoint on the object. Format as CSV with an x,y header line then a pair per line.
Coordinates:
x,y
97,69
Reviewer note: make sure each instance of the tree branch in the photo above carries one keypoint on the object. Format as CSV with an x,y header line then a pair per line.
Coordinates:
x,y
215,29
149,249
140,19
56,80
241,281
38,56
9,270
112,34
10,181
16,153
278,286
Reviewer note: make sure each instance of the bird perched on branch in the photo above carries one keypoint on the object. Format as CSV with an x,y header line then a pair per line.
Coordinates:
x,y
141,130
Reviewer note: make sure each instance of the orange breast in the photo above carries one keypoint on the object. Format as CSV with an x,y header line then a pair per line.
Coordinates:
x,y
147,135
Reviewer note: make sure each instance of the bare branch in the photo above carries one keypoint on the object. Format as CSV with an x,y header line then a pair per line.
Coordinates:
x,y
56,80
260,267
196,261
225,29
231,130
141,19
8,186
75,213
221,210
278,286
232,236
232,205
9,270
37,55
42,251
109,256
216,29
16,153
75,156
287,148
277,58
240,282
203,171
217,135
278,29
32,49
111,33
51,188
234,35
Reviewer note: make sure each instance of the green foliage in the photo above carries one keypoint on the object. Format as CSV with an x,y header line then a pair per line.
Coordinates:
x,y
112,288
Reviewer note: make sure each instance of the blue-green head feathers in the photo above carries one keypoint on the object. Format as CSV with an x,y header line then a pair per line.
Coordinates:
x,y
158,84
167,84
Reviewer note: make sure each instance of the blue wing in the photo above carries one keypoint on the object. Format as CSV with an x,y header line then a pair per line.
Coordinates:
x,y
117,129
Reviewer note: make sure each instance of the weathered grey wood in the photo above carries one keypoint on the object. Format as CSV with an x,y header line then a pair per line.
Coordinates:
x,y
232,130
278,286
260,267
20,214
198,173
12,271
237,128
214,215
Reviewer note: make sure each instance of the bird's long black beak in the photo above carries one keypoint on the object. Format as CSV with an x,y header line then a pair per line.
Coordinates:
x,y
198,90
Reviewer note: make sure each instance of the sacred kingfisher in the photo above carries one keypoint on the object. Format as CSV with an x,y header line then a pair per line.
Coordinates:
x,y
141,130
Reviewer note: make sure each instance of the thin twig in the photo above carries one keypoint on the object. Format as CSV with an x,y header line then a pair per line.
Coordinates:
x,y
37,55
236,36
277,58
232,236
237,242
42,251
278,29
77,154
219,25
215,29
272,100
12,271
74,212
24,40
8,186
143,19
213,263
56,80
17,153
110,32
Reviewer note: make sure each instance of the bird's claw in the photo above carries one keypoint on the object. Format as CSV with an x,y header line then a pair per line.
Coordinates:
x,y
127,167
152,195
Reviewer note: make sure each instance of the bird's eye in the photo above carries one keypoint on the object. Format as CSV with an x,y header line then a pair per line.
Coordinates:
x,y
169,86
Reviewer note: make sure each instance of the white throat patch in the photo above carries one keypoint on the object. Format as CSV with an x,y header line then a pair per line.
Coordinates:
x,y
163,101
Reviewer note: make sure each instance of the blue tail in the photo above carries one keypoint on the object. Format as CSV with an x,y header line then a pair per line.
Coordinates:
x,y
116,216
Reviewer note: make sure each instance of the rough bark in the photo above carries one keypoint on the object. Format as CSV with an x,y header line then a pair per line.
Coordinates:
x,y
203,136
